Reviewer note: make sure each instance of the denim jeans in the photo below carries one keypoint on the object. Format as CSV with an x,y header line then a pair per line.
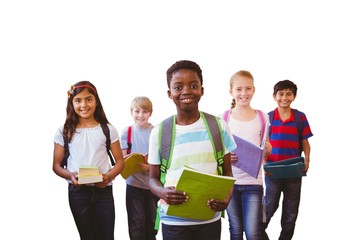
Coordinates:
x,y
93,211
244,212
141,205
209,231
291,189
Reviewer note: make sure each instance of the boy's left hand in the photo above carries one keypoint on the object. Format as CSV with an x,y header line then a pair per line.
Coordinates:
x,y
217,205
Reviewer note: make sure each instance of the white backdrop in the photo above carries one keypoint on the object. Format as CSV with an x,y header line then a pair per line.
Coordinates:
x,y
125,49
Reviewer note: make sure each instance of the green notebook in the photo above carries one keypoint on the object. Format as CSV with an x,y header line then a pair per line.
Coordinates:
x,y
200,187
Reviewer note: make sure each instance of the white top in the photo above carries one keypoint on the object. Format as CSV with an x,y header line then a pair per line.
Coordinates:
x,y
250,131
88,147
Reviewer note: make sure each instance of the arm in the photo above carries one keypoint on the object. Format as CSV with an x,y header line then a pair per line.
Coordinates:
x,y
168,194
118,167
306,148
220,205
59,152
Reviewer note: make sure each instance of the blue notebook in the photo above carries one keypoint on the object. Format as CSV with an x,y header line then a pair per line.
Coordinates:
x,y
290,168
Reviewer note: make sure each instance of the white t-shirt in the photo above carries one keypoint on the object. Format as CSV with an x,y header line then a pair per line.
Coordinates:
x,y
250,131
88,147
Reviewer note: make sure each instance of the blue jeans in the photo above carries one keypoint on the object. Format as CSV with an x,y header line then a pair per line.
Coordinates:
x,y
209,231
244,212
141,205
291,189
93,211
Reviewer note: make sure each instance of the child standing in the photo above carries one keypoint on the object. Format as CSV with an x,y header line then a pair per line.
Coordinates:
x,y
284,138
141,203
92,205
245,207
192,147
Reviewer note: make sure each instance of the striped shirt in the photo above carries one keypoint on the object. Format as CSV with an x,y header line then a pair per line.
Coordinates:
x,y
284,137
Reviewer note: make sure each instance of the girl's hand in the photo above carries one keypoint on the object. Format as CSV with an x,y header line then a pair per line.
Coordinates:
x,y
172,196
74,178
268,149
233,157
104,182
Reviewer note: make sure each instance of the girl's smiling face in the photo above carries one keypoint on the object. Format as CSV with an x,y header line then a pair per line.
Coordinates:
x,y
84,104
242,90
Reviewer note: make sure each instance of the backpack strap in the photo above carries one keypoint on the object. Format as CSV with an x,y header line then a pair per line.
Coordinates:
x,y
66,154
262,120
166,145
271,120
106,131
128,150
213,127
300,128
227,115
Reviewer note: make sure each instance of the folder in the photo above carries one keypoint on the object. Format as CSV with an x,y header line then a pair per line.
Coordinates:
x,y
290,168
200,187
249,155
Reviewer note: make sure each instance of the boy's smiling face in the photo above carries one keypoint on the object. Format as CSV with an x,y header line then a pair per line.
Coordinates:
x,y
284,98
185,90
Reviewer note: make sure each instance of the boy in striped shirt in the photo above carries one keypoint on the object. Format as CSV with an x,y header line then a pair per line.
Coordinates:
x,y
285,141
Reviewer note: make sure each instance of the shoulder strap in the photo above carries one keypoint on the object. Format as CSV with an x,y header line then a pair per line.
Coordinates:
x,y
213,126
300,128
128,150
271,120
227,115
166,144
262,119
66,154
106,131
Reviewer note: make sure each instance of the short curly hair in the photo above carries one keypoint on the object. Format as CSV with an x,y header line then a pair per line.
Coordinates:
x,y
183,64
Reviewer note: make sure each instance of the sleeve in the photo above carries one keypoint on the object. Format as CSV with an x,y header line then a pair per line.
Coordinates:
x,y
154,156
306,131
123,139
58,138
114,135
228,138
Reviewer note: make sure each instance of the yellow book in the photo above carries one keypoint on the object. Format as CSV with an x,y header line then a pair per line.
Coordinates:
x,y
132,164
89,174
200,187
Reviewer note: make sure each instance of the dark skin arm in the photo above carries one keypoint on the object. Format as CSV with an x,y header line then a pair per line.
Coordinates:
x,y
168,194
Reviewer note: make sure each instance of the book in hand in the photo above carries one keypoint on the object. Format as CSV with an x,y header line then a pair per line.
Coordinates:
x,y
250,155
200,187
290,168
132,164
89,174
